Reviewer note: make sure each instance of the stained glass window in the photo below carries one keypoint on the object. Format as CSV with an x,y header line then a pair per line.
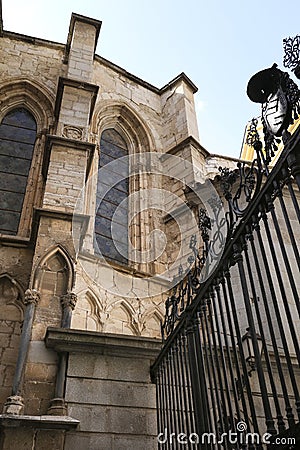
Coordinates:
x,y
111,222
17,138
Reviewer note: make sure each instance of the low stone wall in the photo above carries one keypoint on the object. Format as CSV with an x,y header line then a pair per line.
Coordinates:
x,y
111,400
108,389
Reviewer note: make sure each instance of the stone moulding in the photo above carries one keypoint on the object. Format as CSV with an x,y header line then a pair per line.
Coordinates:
x,y
44,422
190,140
68,340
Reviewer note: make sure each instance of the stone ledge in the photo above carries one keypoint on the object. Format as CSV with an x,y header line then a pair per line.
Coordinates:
x,y
68,340
14,241
60,215
190,140
45,422
181,77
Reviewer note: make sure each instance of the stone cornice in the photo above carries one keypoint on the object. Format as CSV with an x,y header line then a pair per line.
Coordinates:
x,y
190,140
70,340
14,241
105,62
46,422
61,215
1,20
181,77
32,39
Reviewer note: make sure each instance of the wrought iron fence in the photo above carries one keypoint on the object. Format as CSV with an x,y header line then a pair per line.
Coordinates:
x,y
228,372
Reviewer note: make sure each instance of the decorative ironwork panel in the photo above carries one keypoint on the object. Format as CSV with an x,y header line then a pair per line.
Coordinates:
x,y
228,374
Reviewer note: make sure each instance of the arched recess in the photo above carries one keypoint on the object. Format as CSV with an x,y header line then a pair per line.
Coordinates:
x,y
11,317
121,318
152,323
138,138
53,276
54,252
88,313
124,120
30,96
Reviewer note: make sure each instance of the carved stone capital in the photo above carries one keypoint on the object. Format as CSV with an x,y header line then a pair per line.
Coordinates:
x,y
14,405
32,296
68,300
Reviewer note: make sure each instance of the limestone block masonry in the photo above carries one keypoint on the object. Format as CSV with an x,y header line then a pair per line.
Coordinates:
x,y
87,386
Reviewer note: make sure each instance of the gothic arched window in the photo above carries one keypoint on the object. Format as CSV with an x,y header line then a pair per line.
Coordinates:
x,y
111,221
17,138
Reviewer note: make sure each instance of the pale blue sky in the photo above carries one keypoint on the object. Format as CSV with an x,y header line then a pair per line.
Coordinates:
x,y
218,44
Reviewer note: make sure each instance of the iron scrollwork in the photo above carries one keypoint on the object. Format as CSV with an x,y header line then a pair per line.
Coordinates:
x,y
291,58
202,260
186,287
239,186
276,92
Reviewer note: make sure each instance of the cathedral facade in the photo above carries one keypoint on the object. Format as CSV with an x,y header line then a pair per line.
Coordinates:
x,y
98,206
81,308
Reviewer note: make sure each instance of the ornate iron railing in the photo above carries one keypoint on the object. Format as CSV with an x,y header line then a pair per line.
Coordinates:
x,y
228,372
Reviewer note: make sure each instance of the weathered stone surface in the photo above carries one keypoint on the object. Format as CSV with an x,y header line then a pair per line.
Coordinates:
x,y
22,440
113,378
108,367
79,441
107,392
50,440
116,420
75,96
112,397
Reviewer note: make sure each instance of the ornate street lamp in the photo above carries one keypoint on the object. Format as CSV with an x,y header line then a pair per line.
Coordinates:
x,y
280,102
250,358
248,348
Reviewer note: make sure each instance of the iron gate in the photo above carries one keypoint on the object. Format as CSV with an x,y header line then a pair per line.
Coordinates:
x,y
228,373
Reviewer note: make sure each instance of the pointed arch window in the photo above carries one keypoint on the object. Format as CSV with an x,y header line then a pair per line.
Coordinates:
x,y
111,220
17,138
